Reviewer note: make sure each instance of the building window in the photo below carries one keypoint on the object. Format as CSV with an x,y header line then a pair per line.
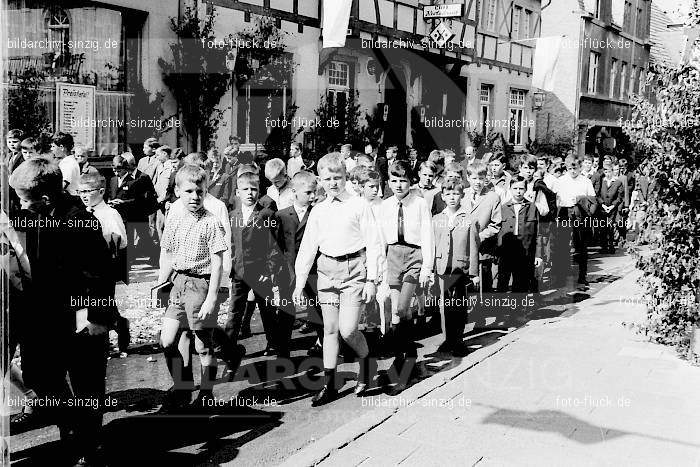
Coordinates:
x,y
632,76
515,27
485,107
516,116
593,72
490,15
627,20
613,73
527,24
623,80
338,87
57,25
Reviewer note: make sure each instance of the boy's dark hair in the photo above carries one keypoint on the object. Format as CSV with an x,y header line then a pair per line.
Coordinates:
x,y
544,157
166,149
453,185
63,139
152,143
15,134
529,161
518,179
30,143
39,176
249,177
428,165
399,168
500,157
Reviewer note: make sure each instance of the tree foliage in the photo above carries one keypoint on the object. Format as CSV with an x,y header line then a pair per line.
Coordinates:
x,y
337,124
667,140
26,110
197,75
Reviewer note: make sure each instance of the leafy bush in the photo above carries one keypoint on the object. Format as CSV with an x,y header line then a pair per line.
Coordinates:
x,y
26,110
667,140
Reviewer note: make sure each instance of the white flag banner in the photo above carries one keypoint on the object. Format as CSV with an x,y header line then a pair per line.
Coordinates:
x,y
544,63
336,17
690,35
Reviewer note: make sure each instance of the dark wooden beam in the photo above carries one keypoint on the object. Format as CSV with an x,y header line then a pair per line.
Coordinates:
x,y
261,10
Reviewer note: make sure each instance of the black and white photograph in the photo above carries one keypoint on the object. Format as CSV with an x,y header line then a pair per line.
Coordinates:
x,y
349,233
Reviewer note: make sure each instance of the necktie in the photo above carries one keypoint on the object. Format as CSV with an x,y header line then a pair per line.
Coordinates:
x,y
401,239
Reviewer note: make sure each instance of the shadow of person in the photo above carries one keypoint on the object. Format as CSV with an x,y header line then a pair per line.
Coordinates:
x,y
188,438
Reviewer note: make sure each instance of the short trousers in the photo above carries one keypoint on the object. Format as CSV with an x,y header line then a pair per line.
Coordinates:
x,y
404,263
186,299
340,282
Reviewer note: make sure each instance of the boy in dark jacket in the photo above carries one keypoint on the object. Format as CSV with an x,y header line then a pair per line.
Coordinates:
x,y
517,240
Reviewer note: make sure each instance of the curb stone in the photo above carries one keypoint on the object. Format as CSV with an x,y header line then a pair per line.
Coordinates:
x,y
321,449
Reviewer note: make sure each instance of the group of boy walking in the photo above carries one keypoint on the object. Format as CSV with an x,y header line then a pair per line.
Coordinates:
x,y
366,235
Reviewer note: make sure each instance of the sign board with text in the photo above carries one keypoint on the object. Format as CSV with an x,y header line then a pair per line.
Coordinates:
x,y
75,112
448,10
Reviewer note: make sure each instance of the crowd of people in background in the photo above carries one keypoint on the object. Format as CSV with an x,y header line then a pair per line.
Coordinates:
x,y
362,247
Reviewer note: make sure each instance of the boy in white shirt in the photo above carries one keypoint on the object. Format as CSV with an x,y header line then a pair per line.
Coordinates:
x,y
406,225
570,224
349,248
281,190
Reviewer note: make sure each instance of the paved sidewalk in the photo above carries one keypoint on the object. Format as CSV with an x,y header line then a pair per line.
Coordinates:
x,y
581,389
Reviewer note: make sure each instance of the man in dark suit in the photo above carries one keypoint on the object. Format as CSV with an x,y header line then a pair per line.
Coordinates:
x,y
517,240
291,223
610,197
132,194
257,261
414,163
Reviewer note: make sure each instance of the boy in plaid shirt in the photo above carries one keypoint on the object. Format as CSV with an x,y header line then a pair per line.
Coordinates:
x,y
192,248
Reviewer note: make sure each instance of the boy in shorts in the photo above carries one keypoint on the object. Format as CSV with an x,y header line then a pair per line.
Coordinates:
x,y
349,248
406,226
192,248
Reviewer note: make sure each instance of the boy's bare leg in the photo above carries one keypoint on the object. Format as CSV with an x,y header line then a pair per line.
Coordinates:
x,y
204,346
347,325
404,348
331,346
170,338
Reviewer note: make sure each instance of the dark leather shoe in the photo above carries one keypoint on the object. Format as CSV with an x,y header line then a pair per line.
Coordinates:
x,y
397,389
269,351
361,389
324,396
123,334
245,333
315,351
233,362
